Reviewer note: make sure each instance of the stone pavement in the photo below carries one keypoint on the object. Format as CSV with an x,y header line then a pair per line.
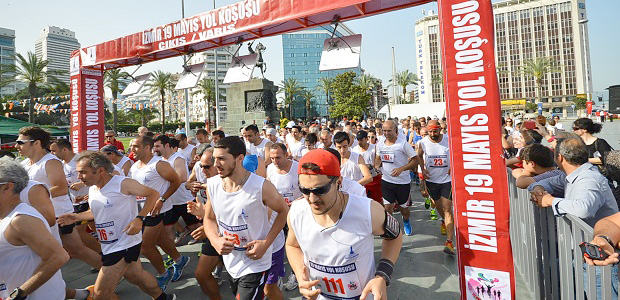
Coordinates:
x,y
423,271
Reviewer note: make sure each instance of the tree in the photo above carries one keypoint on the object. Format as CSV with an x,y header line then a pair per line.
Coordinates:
x,y
350,99
325,86
142,116
308,96
161,83
206,88
580,103
30,70
531,107
437,79
366,81
538,68
111,81
405,78
291,88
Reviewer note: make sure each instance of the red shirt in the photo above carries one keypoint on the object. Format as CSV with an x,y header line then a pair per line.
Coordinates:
x,y
119,145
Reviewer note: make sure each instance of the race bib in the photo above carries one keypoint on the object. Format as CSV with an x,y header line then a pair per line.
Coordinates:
x,y
438,161
341,282
387,156
288,197
240,233
106,232
4,293
140,198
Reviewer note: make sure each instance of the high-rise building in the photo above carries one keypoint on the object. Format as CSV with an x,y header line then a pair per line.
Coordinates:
x,y
55,45
7,52
524,30
302,56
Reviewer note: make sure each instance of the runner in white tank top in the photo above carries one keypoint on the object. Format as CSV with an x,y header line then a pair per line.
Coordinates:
x,y
119,160
236,220
36,195
331,235
186,149
352,164
114,209
152,171
37,171
255,143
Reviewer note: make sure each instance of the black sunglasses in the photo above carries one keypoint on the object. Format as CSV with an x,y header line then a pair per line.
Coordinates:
x,y
206,167
320,191
21,142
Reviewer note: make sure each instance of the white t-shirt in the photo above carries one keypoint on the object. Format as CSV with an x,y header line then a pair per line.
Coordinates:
x,y
395,156
187,152
437,159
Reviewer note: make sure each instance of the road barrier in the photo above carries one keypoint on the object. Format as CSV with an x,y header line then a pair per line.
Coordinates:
x,y
547,254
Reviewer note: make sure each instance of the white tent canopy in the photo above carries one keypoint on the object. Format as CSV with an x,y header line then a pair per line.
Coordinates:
x,y
415,110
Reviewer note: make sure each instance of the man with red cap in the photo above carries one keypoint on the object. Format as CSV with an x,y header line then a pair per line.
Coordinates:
x,y
330,241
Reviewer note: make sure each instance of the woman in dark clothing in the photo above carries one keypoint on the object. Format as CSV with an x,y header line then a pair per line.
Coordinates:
x,y
597,147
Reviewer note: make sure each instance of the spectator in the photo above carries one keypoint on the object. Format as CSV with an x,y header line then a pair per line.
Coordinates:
x,y
606,236
142,130
587,194
537,165
110,139
179,130
597,147
558,125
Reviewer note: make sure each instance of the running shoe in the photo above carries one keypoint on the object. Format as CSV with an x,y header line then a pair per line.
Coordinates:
x,y
168,262
192,241
178,268
427,203
217,274
434,215
443,228
179,236
407,227
163,280
448,247
291,284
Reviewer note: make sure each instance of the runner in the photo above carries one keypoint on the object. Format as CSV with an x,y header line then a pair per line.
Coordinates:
x,y
272,135
348,186
435,151
283,174
186,149
46,168
309,143
369,153
151,171
235,219
209,258
353,165
202,136
396,156
112,199
326,140
31,257
216,136
330,241
167,149
254,141
295,142
118,159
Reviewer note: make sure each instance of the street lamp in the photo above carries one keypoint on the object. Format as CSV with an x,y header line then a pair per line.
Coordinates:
x,y
583,23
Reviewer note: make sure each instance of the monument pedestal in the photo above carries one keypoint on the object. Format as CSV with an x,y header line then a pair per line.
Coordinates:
x,y
250,103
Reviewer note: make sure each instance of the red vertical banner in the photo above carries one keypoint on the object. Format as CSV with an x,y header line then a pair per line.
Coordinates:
x,y
87,118
479,179
589,108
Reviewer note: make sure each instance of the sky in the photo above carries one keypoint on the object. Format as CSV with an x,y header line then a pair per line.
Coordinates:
x,y
98,21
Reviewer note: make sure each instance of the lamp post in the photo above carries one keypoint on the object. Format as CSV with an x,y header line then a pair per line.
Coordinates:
x,y
187,126
583,24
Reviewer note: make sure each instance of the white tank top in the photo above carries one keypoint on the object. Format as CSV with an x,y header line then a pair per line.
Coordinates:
x,y
368,155
71,175
148,175
437,159
182,195
19,262
187,152
352,187
25,198
121,163
243,215
113,211
62,204
341,257
257,150
288,186
351,169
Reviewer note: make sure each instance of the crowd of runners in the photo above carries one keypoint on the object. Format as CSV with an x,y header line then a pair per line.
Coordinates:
x,y
314,194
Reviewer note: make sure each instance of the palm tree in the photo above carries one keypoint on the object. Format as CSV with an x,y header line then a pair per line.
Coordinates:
x,y
366,82
326,85
308,96
291,88
30,70
111,78
161,83
142,115
437,79
57,86
538,68
206,88
405,78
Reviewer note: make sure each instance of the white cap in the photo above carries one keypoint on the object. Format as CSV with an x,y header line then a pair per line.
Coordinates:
x,y
272,131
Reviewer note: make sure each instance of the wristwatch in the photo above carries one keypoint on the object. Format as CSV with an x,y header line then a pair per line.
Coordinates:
x,y
17,294
162,199
608,240
140,217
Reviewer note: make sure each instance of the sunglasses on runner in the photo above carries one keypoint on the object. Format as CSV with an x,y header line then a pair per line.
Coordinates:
x,y
21,142
206,167
320,191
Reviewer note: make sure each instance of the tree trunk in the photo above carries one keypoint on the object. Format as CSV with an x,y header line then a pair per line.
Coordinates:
x,y
33,93
163,114
114,116
290,116
208,114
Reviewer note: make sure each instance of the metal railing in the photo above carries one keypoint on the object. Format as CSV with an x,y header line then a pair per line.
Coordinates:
x,y
547,254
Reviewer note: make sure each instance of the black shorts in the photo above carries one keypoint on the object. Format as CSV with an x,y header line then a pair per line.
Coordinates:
x,y
66,229
130,255
150,221
395,193
207,249
249,287
172,216
438,190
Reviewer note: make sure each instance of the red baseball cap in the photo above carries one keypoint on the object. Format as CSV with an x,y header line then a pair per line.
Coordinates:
x,y
327,162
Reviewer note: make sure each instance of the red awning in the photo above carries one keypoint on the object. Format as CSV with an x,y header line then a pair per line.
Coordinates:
x,y
245,20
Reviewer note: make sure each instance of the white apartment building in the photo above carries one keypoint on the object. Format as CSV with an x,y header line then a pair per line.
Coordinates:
x,y
55,44
524,29
7,52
